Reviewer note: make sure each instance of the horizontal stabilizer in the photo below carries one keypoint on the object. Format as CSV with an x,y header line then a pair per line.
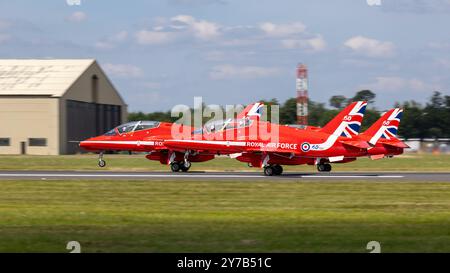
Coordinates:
x,y
236,155
336,158
356,143
395,143
376,157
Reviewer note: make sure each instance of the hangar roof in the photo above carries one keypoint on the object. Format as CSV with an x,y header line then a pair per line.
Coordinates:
x,y
32,77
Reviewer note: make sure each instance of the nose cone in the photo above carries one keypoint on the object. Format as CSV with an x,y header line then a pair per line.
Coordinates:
x,y
90,143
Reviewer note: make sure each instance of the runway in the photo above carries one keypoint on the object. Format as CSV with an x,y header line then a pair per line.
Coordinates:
x,y
236,176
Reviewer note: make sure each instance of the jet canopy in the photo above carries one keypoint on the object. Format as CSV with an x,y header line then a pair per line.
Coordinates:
x,y
133,127
221,125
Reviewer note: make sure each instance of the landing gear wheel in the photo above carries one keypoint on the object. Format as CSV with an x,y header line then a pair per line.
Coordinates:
x,y
101,163
324,168
277,170
185,166
268,171
321,167
175,167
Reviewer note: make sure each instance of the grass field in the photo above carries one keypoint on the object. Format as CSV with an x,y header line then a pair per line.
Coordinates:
x,y
413,162
224,216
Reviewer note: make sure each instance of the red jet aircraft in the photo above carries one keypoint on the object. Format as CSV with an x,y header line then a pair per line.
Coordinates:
x,y
149,136
292,146
337,142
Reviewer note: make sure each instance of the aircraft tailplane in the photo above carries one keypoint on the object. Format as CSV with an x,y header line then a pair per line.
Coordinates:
x,y
385,128
348,122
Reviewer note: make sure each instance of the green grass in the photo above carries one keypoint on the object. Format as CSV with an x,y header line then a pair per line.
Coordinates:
x,y
224,216
413,162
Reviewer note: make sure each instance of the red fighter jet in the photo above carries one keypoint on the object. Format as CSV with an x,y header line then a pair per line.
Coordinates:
x,y
149,136
335,142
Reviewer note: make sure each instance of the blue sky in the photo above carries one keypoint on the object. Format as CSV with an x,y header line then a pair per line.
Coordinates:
x,y
165,52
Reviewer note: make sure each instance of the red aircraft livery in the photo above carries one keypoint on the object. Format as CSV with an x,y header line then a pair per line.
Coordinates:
x,y
259,143
149,136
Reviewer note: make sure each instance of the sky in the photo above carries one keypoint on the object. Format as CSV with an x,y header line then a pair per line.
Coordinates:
x,y
166,52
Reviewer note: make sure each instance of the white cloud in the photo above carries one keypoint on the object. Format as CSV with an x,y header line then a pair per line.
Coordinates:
x,y
370,47
227,71
120,36
104,45
111,42
77,16
123,70
148,37
282,30
389,84
201,29
313,44
177,27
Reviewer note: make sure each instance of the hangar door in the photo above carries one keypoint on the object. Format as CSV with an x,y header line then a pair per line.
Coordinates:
x,y
86,120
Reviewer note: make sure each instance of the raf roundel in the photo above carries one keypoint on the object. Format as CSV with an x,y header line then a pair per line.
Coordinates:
x,y
306,147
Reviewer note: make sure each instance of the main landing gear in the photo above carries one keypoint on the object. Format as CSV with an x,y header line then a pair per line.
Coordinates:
x,y
324,167
180,166
101,162
273,170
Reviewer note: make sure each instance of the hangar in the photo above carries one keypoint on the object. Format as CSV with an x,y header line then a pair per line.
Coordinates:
x,y
45,104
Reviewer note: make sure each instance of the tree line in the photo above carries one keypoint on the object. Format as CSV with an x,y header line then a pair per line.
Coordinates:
x,y
431,120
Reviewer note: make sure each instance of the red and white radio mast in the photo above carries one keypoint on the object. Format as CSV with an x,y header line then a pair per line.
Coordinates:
x,y
302,94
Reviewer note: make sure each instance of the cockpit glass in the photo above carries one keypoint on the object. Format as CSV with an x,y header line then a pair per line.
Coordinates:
x,y
111,133
221,125
127,127
144,125
133,127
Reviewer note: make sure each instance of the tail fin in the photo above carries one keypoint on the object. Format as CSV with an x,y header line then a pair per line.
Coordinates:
x,y
348,122
386,127
252,110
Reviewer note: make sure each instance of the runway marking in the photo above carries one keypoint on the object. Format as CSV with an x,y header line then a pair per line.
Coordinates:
x,y
127,175
353,176
191,175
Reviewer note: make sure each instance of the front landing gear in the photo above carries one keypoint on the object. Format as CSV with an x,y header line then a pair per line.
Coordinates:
x,y
324,167
273,170
101,162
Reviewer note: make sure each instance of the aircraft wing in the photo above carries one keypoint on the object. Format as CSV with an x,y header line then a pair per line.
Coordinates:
x,y
226,146
272,150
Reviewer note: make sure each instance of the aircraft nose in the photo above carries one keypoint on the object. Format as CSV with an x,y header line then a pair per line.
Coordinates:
x,y
87,142
83,144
